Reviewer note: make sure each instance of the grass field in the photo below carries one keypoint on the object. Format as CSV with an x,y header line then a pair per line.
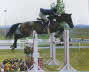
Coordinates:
x,y
79,58
42,36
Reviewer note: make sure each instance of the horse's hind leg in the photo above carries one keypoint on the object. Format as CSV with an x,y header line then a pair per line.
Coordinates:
x,y
15,43
16,37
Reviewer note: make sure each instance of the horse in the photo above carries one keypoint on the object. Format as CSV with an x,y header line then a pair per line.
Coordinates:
x,y
25,29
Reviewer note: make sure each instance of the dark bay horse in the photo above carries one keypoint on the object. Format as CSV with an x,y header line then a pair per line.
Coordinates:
x,y
25,29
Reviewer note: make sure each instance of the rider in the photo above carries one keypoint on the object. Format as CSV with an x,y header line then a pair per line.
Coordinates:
x,y
44,13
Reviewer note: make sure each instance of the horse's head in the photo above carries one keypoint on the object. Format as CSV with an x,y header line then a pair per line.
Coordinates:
x,y
67,18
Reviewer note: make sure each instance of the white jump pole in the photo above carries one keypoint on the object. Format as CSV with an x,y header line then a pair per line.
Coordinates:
x,y
35,68
67,67
52,60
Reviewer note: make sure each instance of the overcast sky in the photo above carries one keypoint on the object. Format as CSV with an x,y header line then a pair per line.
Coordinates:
x,y
28,10
79,10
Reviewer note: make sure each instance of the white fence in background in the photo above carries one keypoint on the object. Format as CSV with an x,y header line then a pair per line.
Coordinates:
x,y
5,44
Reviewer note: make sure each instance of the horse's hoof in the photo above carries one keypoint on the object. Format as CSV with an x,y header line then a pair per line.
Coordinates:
x,y
12,48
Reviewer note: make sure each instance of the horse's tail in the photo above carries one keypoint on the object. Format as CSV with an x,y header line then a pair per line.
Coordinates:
x,y
12,30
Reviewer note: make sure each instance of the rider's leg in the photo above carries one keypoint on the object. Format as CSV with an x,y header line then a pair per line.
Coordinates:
x,y
42,16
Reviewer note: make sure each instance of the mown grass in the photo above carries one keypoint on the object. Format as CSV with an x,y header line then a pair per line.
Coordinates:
x,y
2,37
79,58
7,53
41,36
